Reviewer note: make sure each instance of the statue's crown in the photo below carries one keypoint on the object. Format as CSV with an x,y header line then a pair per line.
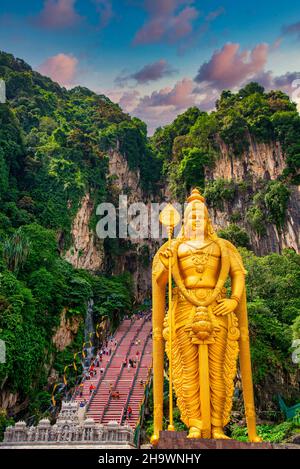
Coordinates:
x,y
195,195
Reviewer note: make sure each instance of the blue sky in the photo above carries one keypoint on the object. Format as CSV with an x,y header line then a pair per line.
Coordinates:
x,y
158,57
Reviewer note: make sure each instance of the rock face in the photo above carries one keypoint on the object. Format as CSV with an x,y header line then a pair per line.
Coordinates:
x,y
260,162
124,178
138,256
86,251
66,331
8,399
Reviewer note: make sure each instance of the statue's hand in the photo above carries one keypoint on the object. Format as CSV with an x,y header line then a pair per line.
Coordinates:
x,y
164,257
225,306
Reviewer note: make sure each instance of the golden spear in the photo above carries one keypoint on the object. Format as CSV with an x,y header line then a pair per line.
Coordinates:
x,y
169,217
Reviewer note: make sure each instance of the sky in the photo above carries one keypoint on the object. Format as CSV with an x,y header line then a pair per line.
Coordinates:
x,y
156,58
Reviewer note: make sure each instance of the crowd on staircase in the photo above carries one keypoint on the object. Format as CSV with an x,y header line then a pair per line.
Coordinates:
x,y
112,387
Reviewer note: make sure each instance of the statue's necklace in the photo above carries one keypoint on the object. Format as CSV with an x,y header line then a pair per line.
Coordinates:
x,y
199,257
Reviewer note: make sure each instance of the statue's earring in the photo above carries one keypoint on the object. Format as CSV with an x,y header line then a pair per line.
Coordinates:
x,y
210,228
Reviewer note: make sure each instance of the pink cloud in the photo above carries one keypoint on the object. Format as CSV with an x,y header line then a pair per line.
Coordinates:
x,y
169,20
129,100
62,68
229,67
162,106
57,14
180,96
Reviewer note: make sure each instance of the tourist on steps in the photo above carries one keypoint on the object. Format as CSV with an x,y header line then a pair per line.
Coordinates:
x,y
129,412
92,388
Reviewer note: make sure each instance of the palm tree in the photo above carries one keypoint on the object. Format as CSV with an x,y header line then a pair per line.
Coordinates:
x,y
16,250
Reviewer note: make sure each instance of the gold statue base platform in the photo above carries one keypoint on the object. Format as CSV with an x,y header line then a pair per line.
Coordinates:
x,y
179,440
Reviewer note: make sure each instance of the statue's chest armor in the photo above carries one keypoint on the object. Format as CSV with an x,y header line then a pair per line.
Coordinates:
x,y
199,265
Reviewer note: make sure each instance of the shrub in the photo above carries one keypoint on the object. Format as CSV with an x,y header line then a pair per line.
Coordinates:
x,y
236,235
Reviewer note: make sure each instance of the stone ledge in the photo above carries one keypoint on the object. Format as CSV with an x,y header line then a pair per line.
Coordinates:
x,y
179,440
69,445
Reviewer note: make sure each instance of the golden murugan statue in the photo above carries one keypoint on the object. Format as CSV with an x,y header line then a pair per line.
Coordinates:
x,y
204,331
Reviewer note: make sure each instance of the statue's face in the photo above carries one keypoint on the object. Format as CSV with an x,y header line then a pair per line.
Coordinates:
x,y
195,220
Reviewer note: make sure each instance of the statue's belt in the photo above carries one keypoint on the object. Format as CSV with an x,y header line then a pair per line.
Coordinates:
x,y
179,303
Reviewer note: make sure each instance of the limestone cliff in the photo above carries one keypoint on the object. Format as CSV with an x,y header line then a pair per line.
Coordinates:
x,y
66,331
86,251
136,259
261,162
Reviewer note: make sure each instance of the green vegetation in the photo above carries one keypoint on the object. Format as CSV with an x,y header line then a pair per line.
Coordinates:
x,y
50,156
55,146
191,145
4,422
266,117
273,292
31,304
269,204
218,191
236,235
271,433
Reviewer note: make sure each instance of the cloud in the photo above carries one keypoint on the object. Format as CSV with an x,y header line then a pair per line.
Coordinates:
x,y
62,68
129,100
162,106
57,14
169,21
194,39
180,96
293,28
229,67
105,10
150,72
285,82
214,14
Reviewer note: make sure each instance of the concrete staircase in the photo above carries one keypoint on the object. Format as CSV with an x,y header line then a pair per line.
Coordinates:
x,y
131,336
127,378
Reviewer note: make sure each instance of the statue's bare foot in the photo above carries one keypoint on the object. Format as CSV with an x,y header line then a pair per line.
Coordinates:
x,y
194,432
154,439
256,439
218,434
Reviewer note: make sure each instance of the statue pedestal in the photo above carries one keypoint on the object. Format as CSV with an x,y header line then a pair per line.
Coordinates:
x,y
179,440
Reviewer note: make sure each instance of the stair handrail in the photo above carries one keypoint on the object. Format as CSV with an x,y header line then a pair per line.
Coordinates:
x,y
106,368
135,378
122,367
